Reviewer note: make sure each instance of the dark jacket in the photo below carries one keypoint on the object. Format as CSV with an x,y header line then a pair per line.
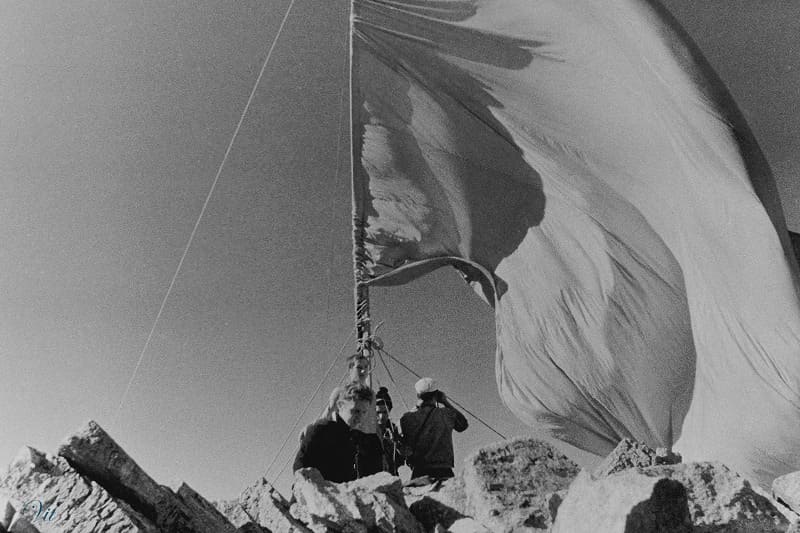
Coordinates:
x,y
338,452
391,443
428,435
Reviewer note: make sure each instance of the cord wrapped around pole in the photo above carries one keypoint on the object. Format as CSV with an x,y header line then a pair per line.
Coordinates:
x,y
361,290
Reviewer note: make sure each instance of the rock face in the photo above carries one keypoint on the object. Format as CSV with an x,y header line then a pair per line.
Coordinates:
x,y
632,454
20,524
441,504
787,490
93,453
260,505
80,505
92,485
269,509
693,497
368,505
204,515
516,486
234,513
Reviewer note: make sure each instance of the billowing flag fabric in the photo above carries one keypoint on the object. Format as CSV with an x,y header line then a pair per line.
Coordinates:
x,y
581,164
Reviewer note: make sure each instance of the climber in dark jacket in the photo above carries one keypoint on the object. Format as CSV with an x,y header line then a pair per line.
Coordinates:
x,y
337,448
389,435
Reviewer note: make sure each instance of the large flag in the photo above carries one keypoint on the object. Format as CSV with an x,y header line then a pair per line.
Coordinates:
x,y
581,164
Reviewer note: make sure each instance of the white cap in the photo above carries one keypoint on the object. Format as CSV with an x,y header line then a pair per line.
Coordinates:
x,y
425,385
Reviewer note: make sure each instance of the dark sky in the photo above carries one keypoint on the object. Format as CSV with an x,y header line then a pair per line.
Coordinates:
x,y
114,117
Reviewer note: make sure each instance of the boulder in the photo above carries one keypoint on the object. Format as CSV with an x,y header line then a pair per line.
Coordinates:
x,y
432,513
787,490
368,505
268,508
440,504
443,489
7,511
14,513
447,491
233,511
94,454
790,515
262,505
692,497
80,504
516,485
202,511
632,454
20,524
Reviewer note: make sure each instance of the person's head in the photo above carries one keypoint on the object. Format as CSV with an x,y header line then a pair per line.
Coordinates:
x,y
427,390
383,404
429,397
358,367
382,412
382,396
354,403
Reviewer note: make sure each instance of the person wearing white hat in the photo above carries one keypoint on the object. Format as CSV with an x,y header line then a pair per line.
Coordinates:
x,y
428,432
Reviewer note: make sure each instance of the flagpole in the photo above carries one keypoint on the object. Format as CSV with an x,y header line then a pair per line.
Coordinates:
x,y
360,274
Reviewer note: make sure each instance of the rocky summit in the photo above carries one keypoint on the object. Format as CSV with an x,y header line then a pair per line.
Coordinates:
x,y
522,485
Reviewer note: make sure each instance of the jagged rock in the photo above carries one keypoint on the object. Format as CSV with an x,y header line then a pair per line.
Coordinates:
x,y
440,504
692,497
787,489
509,486
202,510
93,485
80,505
20,524
790,515
632,454
94,454
513,485
264,506
236,515
447,491
432,513
14,516
7,511
268,508
233,511
368,505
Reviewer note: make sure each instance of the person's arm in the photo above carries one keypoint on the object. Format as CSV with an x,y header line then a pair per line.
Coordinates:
x,y
459,421
404,447
305,455
399,458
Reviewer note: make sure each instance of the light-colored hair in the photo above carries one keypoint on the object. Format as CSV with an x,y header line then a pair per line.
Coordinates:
x,y
355,392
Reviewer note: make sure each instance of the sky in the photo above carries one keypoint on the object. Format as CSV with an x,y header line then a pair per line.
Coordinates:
x,y
114,117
